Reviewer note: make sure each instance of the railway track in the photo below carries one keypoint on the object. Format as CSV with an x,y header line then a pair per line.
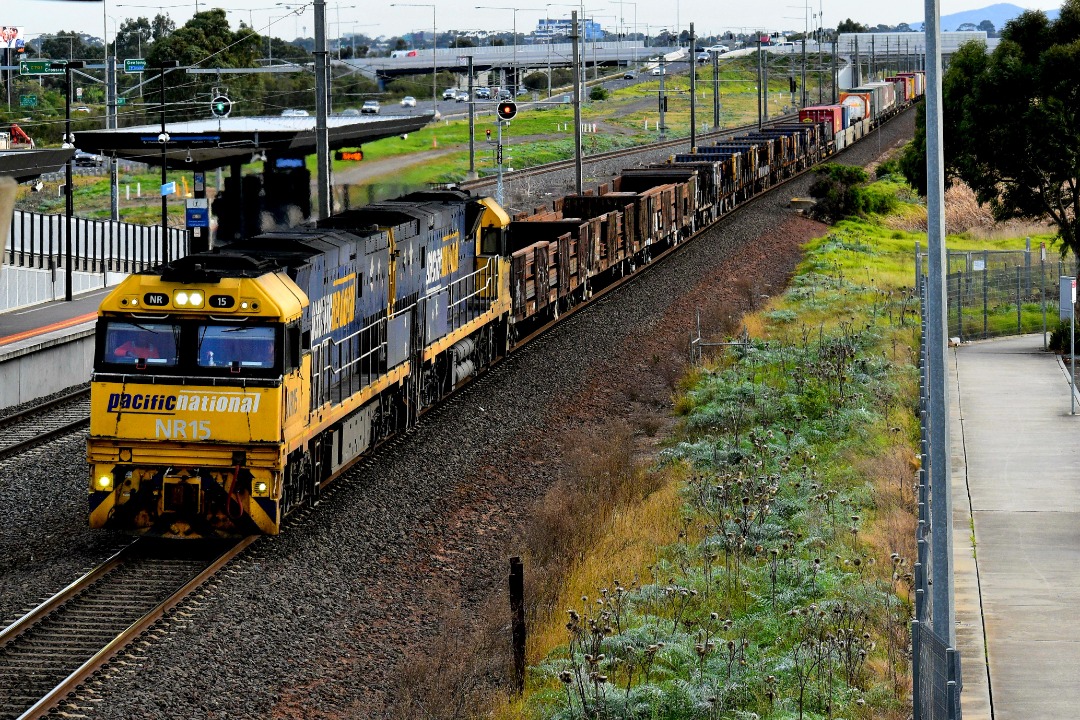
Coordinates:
x,y
35,425
51,650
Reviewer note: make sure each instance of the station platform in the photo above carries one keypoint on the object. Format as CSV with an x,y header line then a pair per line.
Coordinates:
x,y
47,348
1015,481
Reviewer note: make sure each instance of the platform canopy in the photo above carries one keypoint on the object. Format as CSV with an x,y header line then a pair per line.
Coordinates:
x,y
26,165
213,143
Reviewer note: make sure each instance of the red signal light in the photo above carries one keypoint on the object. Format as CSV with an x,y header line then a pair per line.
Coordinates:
x,y
506,110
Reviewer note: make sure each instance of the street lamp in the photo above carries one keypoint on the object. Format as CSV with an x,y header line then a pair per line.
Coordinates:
x,y
515,11
622,22
69,200
163,140
434,45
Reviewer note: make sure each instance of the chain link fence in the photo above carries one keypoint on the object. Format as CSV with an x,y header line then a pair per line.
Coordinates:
x,y
992,293
935,664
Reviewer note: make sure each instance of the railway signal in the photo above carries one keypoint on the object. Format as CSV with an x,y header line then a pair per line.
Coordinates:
x,y
220,106
506,110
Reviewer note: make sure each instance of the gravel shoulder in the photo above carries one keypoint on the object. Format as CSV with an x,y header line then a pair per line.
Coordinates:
x,y
321,621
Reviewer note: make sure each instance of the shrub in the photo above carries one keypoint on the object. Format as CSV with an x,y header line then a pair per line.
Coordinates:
x,y
834,190
599,92
1059,338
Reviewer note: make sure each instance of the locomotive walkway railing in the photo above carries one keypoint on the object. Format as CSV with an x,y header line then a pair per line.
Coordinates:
x,y
344,367
39,241
936,675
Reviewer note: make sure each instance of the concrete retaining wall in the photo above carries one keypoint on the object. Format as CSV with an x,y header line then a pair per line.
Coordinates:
x,y
47,364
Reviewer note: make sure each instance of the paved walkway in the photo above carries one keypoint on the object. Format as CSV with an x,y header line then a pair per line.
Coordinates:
x,y
1016,474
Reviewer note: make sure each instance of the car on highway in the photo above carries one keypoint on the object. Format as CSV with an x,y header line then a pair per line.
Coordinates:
x,y
504,95
483,93
370,107
628,75
408,101
350,112
449,94
85,159
703,56
658,71
294,112
462,96
82,109
718,49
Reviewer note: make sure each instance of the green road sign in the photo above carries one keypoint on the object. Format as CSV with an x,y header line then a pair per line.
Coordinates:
x,y
134,65
121,101
28,101
40,67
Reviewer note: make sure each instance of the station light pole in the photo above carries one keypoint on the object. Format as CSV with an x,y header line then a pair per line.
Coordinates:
x,y
434,57
514,62
163,140
69,199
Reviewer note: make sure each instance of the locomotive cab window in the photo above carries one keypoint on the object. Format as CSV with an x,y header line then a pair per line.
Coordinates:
x,y
492,241
237,347
142,345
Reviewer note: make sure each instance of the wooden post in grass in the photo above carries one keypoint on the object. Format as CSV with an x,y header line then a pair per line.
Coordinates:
x,y
517,622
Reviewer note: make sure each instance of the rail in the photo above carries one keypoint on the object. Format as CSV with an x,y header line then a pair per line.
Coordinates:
x,y
141,588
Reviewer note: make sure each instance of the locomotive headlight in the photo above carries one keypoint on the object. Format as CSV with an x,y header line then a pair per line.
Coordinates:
x,y
103,483
261,487
195,299
181,298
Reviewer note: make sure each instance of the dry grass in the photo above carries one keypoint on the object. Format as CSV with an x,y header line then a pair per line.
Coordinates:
x,y
603,479
963,215
462,672
630,542
892,529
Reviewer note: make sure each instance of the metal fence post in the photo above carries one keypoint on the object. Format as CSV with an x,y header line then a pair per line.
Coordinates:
x,y
960,305
986,294
1042,288
1019,326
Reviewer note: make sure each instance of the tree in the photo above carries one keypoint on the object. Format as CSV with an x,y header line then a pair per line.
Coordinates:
x,y
1013,129
987,27
834,188
850,26
133,38
966,27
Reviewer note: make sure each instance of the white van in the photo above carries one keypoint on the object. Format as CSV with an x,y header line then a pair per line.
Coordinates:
x,y
785,47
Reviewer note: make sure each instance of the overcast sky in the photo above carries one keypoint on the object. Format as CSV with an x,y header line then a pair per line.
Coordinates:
x,y
379,17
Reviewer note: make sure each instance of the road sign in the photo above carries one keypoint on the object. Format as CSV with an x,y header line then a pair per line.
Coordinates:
x,y
121,101
28,101
168,188
197,213
134,65
40,67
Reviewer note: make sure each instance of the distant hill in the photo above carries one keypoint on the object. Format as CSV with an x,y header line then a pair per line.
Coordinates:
x,y
999,14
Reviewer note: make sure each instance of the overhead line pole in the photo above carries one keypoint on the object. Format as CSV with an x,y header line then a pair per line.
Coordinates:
x,y
322,141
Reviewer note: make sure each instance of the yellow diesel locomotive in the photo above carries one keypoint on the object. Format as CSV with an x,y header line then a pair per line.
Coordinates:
x,y
229,387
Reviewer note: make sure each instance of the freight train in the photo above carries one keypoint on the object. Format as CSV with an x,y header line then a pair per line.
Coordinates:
x,y
231,386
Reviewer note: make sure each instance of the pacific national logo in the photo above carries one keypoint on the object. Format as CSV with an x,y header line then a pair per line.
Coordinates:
x,y
161,404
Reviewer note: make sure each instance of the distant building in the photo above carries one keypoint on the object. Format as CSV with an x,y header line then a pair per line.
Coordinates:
x,y
548,28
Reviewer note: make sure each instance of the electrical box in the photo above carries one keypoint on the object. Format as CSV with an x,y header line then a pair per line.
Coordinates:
x,y
1066,297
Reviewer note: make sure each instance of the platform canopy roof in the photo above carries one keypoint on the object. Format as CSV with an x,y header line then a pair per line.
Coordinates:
x,y
26,165
213,143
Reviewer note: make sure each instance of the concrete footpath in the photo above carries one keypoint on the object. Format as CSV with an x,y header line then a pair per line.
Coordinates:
x,y
1015,455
